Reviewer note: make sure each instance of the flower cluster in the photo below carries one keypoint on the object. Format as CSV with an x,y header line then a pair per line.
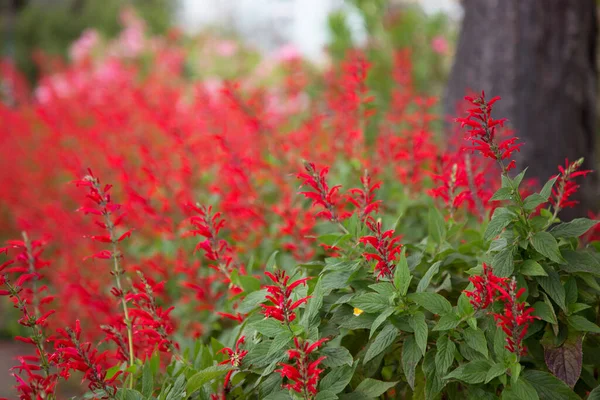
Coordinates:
x,y
516,316
364,198
150,320
486,288
74,355
321,195
280,295
566,186
235,359
35,378
386,248
482,131
304,373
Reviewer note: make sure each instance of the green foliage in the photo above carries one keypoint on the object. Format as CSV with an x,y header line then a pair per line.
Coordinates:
x,y
53,27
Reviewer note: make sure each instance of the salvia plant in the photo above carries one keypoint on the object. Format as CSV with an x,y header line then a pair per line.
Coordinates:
x,y
222,265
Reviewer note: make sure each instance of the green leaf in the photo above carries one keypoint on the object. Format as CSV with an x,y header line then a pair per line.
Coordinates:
x,y
554,288
411,355
432,302
437,226
385,338
311,313
129,394
147,381
178,390
464,306
373,388
402,276
580,261
571,291
206,375
501,219
532,201
418,324
472,372
594,394
431,272
268,327
337,380
475,338
336,356
495,371
504,193
385,288
446,322
582,324
271,261
249,283
532,268
520,390
574,228
545,312
503,263
370,302
381,318
546,191
252,301
548,386
546,245
565,361
518,179
574,308
325,395
444,357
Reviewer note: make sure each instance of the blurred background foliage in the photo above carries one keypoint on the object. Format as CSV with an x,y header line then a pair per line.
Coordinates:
x,y
51,26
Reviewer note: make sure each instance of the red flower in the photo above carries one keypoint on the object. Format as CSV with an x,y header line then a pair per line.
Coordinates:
x,y
322,194
482,131
364,199
150,320
73,355
280,295
565,185
386,246
516,317
304,374
487,286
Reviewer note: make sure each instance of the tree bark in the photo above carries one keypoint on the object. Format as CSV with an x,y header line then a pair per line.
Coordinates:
x,y
540,57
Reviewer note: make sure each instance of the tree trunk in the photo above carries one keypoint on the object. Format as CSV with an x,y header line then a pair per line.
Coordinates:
x,y
540,57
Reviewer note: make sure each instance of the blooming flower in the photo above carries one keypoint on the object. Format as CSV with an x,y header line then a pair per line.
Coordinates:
x,y
386,248
515,318
322,194
235,359
565,185
304,374
482,131
364,198
280,295
486,286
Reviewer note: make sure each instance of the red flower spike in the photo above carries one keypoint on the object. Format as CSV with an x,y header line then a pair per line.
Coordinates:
x,y
486,288
386,246
364,199
321,195
482,131
303,375
515,318
280,295
565,185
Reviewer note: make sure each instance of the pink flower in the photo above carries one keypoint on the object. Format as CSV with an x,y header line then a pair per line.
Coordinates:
x,y
439,45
